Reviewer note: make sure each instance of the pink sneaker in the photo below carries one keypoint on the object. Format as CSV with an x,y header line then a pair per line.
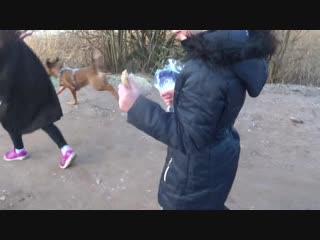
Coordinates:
x,y
13,156
67,159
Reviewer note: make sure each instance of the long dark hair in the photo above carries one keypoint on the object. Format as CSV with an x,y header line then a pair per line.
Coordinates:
x,y
267,36
8,36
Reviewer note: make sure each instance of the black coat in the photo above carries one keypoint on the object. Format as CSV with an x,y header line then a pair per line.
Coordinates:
x,y
204,148
28,100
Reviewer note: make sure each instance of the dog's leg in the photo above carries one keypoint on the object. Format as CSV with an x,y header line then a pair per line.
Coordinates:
x,y
98,82
111,89
113,92
61,89
74,94
66,84
108,87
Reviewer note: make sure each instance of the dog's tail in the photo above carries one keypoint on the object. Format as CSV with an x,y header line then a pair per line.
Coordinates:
x,y
97,61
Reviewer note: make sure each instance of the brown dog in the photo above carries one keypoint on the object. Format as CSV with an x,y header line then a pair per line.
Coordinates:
x,y
75,79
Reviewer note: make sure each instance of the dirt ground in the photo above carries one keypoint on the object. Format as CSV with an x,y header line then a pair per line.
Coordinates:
x,y
118,167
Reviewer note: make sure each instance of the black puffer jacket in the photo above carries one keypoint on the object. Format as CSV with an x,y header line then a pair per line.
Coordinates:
x,y
204,147
28,100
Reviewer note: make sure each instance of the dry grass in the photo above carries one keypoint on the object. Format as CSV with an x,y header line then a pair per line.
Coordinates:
x,y
145,50
139,50
301,63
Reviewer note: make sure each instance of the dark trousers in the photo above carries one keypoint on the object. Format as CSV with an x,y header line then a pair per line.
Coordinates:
x,y
53,132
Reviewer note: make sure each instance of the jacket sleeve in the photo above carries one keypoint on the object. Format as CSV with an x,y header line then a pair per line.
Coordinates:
x,y
192,126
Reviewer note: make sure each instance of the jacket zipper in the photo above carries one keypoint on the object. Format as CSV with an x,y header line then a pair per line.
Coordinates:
x,y
166,172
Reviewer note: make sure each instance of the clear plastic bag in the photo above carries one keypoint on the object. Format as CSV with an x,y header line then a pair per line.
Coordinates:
x,y
165,78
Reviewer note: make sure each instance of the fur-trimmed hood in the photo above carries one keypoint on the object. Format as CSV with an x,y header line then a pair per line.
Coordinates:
x,y
243,51
226,47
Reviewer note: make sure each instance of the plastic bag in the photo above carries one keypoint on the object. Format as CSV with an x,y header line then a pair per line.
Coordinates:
x,y
166,77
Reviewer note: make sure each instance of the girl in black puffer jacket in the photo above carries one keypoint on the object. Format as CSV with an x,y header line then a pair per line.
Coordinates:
x,y
203,147
28,100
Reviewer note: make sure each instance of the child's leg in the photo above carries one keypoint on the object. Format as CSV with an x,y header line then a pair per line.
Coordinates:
x,y
55,134
67,153
18,152
17,140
